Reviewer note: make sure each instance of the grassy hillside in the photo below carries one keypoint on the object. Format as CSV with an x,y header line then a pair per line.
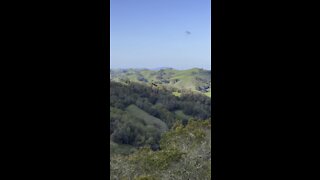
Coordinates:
x,y
140,114
149,126
149,120
160,131
196,80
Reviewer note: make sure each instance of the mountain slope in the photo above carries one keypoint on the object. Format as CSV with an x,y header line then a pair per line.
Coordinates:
x,y
140,114
196,80
148,119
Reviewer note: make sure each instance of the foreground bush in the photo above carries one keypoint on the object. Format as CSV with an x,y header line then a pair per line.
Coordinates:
x,y
185,154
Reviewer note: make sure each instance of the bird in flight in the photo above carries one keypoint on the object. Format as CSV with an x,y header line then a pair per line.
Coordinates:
x,y
188,32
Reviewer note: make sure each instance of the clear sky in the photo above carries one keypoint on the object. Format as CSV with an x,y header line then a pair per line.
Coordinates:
x,y
160,33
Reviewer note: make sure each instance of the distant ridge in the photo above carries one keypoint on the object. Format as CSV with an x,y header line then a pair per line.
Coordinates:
x,y
157,69
160,68
195,79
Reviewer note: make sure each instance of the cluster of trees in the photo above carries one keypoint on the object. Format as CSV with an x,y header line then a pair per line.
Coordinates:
x,y
125,129
158,102
142,79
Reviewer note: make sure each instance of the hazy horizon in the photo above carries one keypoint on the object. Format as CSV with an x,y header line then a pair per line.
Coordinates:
x,y
167,33
209,69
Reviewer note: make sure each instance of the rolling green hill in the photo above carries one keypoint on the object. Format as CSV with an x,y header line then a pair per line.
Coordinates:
x,y
149,120
195,80
133,127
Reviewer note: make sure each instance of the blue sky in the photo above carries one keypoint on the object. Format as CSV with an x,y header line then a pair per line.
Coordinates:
x,y
152,33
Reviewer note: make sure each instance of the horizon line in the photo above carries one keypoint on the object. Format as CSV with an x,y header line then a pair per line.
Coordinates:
x,y
158,68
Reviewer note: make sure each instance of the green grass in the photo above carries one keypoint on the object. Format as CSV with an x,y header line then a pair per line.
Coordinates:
x,y
208,94
148,119
176,94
